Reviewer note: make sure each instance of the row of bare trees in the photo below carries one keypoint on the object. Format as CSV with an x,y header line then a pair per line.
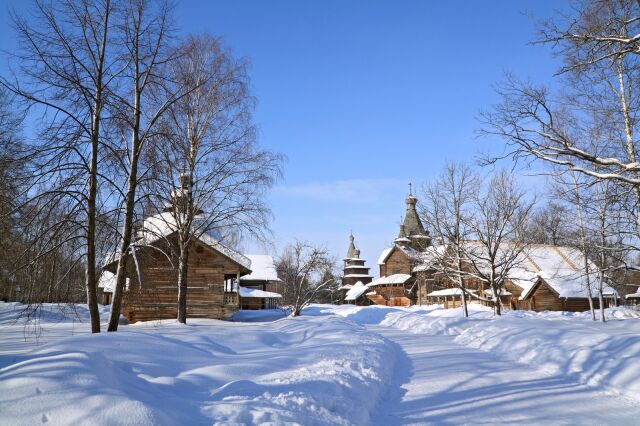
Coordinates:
x,y
122,115
480,228
584,131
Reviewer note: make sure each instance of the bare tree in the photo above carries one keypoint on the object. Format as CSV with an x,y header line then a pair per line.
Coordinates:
x,y
65,74
501,213
210,170
145,33
447,211
590,125
302,268
549,224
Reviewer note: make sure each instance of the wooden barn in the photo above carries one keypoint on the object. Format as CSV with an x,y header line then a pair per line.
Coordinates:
x,y
545,278
213,278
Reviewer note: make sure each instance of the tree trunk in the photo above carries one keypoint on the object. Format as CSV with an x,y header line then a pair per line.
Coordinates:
x,y
591,307
496,300
127,231
463,296
91,275
127,228
183,269
601,297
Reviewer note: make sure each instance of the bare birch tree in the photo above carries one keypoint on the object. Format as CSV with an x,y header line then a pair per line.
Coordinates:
x,y
211,172
598,99
499,222
65,73
447,211
145,34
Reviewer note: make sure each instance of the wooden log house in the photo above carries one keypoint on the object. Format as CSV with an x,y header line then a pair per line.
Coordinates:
x,y
152,292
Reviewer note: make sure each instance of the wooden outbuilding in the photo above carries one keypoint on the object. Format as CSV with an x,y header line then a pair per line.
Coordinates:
x,y
261,289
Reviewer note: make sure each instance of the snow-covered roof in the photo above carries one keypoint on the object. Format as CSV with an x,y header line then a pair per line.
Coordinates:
x,y
356,267
163,224
632,296
107,282
356,291
263,268
261,294
391,279
448,292
383,256
562,268
346,287
430,257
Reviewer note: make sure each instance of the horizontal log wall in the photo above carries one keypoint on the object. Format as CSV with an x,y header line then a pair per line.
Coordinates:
x,y
154,294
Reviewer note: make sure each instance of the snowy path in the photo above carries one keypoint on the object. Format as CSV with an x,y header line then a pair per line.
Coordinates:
x,y
440,382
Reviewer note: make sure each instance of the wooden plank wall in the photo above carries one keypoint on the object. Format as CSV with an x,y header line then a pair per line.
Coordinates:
x,y
156,297
397,263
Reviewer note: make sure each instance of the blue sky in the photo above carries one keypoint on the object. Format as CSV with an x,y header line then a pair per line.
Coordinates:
x,y
364,97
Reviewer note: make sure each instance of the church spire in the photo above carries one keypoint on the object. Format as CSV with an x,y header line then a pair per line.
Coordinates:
x,y
411,229
352,251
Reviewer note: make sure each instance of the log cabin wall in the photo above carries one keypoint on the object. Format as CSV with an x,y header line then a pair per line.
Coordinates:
x,y
544,298
397,263
156,297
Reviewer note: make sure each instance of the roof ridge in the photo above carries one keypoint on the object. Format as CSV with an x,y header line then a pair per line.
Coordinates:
x,y
566,259
530,259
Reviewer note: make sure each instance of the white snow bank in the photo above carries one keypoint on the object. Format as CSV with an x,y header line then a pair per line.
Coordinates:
x,y
305,370
605,355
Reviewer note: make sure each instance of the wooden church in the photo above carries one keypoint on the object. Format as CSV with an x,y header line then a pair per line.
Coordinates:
x,y
355,275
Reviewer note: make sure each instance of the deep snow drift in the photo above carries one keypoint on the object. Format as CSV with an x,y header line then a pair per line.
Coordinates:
x,y
309,370
599,354
330,366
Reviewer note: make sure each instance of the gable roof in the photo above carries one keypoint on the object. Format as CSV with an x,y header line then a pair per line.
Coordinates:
x,y
384,255
563,270
391,279
162,225
263,268
356,291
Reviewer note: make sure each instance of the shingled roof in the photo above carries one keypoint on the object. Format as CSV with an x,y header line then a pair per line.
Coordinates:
x,y
352,251
412,225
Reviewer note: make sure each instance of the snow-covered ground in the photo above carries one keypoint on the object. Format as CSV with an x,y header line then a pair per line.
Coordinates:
x,y
314,370
522,368
333,365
